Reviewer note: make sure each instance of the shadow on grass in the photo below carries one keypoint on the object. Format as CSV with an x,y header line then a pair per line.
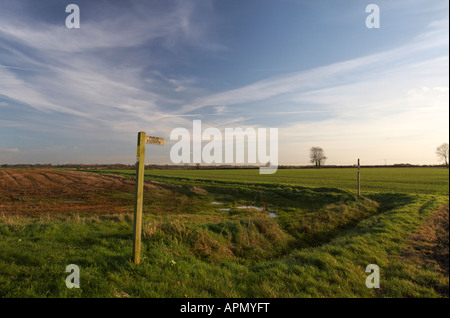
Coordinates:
x,y
317,230
280,195
390,201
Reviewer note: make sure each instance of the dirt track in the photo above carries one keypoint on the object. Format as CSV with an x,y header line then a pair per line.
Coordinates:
x,y
429,244
54,191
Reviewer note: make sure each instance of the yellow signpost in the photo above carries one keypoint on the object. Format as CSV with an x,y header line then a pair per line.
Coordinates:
x,y
155,140
139,195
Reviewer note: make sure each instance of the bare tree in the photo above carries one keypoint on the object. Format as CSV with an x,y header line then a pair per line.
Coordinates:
x,y
317,156
442,153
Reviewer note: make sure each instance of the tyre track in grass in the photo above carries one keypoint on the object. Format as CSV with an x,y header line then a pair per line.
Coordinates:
x,y
428,246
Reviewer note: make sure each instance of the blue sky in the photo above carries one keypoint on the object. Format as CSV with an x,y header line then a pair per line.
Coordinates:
x,y
312,69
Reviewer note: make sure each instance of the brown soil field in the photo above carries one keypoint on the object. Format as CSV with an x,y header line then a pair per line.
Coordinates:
x,y
38,191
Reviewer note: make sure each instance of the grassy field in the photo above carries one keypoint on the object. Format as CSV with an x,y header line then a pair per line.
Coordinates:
x,y
205,235
395,180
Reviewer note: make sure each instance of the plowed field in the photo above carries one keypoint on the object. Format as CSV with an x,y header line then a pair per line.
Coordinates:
x,y
54,191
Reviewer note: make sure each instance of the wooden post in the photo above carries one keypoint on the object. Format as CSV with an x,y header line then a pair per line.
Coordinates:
x,y
139,197
359,183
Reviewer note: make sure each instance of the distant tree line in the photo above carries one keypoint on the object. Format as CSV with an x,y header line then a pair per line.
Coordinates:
x,y
194,167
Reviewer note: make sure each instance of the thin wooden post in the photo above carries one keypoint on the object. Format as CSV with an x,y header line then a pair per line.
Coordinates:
x,y
359,183
139,197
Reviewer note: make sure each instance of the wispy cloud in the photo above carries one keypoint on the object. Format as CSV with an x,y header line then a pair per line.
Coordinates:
x,y
54,69
115,76
335,75
114,28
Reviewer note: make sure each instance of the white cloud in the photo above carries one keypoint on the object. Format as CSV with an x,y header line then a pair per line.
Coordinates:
x,y
116,28
67,73
333,75
398,94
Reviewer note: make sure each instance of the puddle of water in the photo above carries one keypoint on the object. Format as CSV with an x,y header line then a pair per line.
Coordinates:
x,y
271,215
250,207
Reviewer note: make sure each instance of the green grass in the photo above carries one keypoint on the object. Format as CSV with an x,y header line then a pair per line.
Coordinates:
x,y
395,180
319,246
